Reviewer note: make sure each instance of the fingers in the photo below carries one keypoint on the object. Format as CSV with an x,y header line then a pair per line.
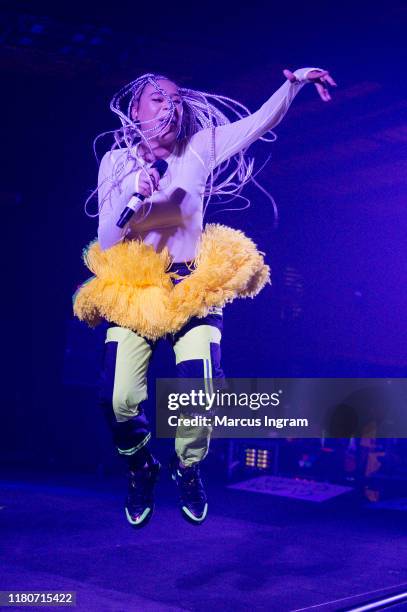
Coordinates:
x,y
322,80
321,76
323,92
330,80
326,80
155,176
148,181
144,189
318,74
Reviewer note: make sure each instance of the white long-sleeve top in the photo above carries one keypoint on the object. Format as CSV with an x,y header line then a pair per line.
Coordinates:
x,y
175,218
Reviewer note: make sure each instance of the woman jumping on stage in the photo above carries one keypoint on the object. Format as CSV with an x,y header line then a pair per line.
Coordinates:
x,y
163,274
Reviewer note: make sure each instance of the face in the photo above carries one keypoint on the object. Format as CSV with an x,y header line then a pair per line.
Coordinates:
x,y
153,106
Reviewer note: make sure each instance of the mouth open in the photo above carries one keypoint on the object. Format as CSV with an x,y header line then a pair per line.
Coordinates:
x,y
170,127
172,122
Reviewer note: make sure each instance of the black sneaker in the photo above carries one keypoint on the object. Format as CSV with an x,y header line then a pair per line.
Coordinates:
x,y
193,502
140,499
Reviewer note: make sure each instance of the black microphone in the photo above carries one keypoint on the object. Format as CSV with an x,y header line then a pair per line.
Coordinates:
x,y
161,165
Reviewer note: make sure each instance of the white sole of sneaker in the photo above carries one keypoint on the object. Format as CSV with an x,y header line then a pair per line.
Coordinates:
x,y
192,517
141,519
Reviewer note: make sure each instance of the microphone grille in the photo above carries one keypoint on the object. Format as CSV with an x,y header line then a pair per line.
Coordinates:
x,y
161,165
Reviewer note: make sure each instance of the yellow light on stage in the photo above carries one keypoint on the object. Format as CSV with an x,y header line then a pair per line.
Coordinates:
x,y
263,459
251,457
257,458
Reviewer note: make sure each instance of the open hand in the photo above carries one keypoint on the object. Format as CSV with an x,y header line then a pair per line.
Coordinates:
x,y
321,79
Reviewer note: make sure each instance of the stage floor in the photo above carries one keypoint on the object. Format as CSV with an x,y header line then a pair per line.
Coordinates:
x,y
62,532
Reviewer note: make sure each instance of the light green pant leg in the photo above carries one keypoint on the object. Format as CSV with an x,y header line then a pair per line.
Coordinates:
x,y
192,443
130,379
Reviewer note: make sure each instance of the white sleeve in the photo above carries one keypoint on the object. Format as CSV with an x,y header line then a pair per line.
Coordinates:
x,y
233,137
114,193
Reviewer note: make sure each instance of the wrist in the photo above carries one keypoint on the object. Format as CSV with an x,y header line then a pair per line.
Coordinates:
x,y
302,74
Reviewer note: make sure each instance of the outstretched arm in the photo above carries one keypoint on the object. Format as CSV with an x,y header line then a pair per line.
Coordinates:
x,y
233,137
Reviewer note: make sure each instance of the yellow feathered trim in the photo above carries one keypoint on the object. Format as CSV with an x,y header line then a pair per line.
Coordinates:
x,y
132,287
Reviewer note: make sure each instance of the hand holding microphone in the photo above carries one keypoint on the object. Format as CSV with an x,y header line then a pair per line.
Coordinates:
x,y
159,168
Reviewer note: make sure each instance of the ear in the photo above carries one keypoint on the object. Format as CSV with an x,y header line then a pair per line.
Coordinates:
x,y
134,109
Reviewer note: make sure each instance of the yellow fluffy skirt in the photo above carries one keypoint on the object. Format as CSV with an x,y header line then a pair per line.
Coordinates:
x,y
133,288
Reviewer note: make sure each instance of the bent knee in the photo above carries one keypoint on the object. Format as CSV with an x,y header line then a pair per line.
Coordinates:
x,y
126,404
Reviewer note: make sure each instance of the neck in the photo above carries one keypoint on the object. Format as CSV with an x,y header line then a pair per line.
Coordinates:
x,y
158,150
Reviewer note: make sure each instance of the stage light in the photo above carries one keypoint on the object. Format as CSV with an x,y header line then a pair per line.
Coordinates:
x,y
263,459
250,457
257,458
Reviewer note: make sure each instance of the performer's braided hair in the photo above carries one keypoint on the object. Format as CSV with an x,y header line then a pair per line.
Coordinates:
x,y
199,112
